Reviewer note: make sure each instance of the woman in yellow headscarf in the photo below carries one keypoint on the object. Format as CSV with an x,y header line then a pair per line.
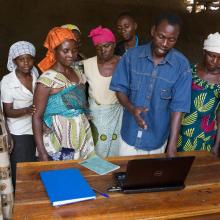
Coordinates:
x,y
60,125
78,63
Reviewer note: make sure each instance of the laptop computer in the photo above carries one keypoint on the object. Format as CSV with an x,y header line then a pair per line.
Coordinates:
x,y
152,175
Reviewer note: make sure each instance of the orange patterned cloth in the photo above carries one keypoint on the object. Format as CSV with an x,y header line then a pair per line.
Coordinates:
x,y
55,37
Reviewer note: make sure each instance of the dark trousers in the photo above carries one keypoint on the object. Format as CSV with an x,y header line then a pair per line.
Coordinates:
x,y
23,151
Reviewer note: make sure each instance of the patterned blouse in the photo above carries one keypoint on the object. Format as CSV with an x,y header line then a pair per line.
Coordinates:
x,y
198,130
66,132
6,188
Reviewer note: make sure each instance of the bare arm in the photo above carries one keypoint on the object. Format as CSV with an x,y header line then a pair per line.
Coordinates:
x,y
41,95
9,137
174,133
10,140
10,112
215,148
135,111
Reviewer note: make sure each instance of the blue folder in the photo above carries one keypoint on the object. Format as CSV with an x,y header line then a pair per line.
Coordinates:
x,y
66,186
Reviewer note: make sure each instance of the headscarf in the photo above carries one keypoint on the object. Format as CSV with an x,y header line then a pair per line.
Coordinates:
x,y
71,27
212,43
101,35
17,49
55,37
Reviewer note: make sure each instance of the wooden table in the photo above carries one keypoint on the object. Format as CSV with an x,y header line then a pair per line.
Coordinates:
x,y
199,200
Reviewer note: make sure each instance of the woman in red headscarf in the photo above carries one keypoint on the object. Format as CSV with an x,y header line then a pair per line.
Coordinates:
x,y
61,128
105,109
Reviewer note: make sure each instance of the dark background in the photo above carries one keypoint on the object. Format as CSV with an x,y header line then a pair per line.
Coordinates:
x,y
31,20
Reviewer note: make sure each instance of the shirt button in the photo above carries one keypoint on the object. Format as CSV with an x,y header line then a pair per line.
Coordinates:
x,y
154,74
148,97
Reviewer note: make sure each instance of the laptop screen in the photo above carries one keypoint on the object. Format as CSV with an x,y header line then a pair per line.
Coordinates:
x,y
157,172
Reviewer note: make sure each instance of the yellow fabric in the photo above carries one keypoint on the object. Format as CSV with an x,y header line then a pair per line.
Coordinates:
x,y
98,84
71,27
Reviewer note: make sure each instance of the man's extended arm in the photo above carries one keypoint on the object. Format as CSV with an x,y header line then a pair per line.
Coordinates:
x,y
135,111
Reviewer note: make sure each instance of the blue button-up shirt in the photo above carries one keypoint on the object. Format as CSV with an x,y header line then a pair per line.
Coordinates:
x,y
162,89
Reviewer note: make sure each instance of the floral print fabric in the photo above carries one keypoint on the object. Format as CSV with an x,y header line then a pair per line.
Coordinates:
x,y
198,130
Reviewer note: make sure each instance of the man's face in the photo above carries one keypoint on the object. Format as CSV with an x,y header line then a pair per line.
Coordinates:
x,y
212,61
126,28
164,37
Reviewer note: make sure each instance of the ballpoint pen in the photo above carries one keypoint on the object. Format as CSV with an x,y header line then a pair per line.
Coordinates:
x,y
101,193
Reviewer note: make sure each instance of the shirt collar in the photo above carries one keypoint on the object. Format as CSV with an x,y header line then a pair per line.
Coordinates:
x,y
147,52
16,82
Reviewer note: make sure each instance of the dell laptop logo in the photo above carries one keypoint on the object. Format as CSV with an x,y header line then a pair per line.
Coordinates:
x,y
158,173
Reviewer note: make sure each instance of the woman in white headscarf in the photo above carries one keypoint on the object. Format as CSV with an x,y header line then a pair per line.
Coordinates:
x,y
200,128
17,98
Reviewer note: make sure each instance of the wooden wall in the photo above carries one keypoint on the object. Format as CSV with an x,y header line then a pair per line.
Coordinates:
x,y
31,19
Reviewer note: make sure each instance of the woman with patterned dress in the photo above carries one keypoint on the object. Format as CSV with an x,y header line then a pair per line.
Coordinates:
x,y
200,128
60,125
106,112
6,187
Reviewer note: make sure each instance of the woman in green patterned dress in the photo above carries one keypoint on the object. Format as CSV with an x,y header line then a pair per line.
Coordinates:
x,y
200,128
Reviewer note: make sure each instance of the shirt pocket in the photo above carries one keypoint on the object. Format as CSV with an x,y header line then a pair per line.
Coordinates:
x,y
134,87
165,98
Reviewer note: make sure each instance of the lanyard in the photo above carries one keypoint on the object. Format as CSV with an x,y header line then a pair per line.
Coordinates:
x,y
137,41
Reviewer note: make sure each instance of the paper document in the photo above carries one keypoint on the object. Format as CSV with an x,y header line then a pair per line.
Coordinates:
x,y
99,165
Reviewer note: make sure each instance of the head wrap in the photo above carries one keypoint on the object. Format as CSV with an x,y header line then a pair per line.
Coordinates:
x,y
101,35
71,27
212,43
17,49
55,37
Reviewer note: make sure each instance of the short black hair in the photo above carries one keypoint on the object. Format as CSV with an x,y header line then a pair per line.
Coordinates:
x,y
171,18
126,14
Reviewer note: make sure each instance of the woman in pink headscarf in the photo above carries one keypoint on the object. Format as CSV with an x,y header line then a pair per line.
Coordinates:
x,y
105,109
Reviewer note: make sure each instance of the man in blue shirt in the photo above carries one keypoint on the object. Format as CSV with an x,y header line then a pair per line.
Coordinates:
x,y
153,83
